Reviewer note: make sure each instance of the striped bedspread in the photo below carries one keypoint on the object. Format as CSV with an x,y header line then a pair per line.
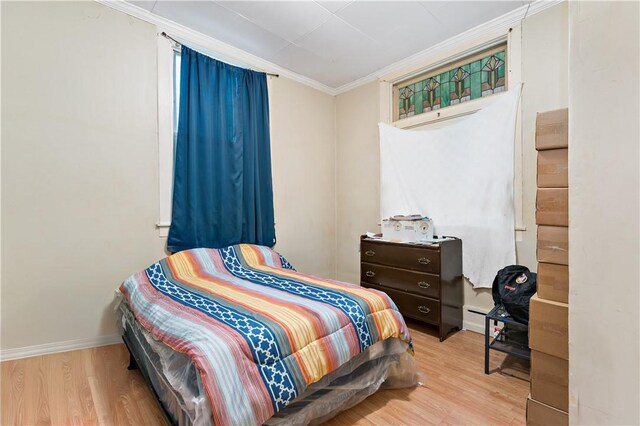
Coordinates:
x,y
258,331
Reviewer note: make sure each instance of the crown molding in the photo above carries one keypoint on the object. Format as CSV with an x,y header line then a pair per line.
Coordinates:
x,y
211,46
494,27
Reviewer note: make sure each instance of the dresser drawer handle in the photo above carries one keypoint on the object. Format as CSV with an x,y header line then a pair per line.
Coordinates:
x,y
369,252
370,274
424,261
423,284
424,309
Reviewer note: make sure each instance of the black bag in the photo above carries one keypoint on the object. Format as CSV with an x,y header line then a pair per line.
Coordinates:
x,y
513,287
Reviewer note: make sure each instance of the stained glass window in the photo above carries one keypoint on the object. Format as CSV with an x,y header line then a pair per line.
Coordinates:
x,y
471,78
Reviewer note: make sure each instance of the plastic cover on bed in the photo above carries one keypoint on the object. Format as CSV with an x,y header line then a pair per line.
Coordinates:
x,y
384,365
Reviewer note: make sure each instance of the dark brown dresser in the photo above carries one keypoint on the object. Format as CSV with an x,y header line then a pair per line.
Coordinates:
x,y
424,280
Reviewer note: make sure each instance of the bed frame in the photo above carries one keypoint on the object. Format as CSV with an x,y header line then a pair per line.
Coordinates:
x,y
135,363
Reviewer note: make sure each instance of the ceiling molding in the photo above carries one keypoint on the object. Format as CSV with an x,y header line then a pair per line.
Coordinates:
x,y
211,46
417,61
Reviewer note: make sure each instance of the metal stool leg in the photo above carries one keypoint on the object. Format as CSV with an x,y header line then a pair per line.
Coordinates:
x,y
486,344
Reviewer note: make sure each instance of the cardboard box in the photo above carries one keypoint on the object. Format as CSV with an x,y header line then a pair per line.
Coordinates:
x,y
550,380
553,282
552,206
553,168
549,327
552,129
553,244
539,414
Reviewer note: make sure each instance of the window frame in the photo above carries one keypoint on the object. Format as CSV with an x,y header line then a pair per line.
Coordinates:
x,y
166,132
434,71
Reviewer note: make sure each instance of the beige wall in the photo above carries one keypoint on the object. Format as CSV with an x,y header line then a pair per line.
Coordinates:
x,y
544,71
303,158
357,174
79,168
604,325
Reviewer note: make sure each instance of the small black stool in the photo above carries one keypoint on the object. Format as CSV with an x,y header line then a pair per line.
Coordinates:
x,y
513,339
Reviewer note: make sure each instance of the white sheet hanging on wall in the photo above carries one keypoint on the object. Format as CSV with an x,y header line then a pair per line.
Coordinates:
x,y
461,176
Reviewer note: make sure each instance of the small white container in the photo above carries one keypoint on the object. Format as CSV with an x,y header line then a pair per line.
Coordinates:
x,y
408,230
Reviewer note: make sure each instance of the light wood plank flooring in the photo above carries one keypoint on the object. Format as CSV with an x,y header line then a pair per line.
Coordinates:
x,y
93,386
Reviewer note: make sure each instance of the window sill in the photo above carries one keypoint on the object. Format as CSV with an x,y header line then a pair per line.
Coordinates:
x,y
163,229
450,112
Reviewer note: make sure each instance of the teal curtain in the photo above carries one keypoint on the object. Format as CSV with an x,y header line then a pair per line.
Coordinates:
x,y
222,190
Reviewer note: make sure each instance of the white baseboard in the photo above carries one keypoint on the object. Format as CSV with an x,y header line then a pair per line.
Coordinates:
x,y
56,347
472,321
473,326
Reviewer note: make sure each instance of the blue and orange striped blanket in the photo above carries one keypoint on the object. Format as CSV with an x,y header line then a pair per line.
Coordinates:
x,y
258,331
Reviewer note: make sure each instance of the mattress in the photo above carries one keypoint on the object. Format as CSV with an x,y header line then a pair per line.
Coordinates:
x,y
239,337
175,380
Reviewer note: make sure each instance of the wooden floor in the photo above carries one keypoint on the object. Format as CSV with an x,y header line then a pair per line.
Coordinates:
x,y
93,386
455,391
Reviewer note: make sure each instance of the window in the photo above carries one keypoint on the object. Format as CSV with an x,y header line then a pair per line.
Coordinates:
x,y
168,101
480,75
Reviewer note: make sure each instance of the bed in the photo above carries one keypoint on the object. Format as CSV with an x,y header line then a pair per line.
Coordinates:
x,y
238,336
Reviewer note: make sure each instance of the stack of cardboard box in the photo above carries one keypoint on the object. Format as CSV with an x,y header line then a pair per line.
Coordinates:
x,y
549,309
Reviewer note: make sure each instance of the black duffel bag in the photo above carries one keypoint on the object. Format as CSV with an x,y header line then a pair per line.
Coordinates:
x,y
513,287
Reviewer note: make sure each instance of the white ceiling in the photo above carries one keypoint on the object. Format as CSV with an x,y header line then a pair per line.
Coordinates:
x,y
331,42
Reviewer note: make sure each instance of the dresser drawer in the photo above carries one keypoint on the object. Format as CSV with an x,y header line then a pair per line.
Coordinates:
x,y
415,282
411,305
401,256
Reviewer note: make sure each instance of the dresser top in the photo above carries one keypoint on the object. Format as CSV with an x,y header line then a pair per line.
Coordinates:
x,y
431,244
